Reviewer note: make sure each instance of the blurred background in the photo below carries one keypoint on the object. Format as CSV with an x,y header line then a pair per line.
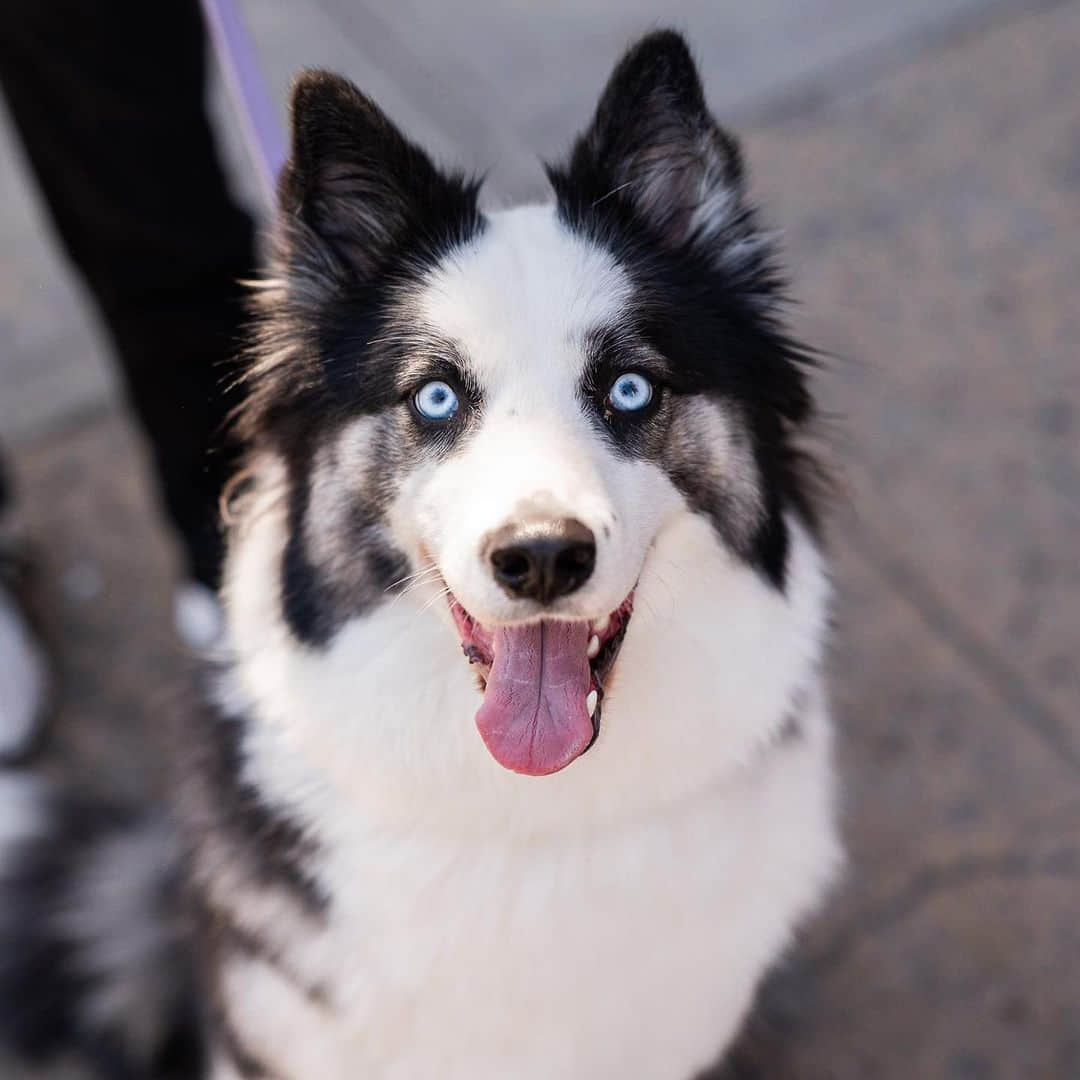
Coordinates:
x,y
923,161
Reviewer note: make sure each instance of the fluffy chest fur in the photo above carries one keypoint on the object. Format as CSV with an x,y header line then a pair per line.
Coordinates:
x,y
612,920
630,952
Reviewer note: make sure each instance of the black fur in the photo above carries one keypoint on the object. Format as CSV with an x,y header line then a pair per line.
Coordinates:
x,y
227,818
275,851
364,212
314,600
706,297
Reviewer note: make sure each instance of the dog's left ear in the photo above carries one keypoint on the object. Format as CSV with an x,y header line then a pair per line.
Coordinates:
x,y
654,147
359,184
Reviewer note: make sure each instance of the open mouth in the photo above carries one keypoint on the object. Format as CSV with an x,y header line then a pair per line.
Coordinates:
x,y
543,685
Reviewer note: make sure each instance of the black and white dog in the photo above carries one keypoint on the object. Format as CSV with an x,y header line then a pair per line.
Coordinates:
x,y
562,441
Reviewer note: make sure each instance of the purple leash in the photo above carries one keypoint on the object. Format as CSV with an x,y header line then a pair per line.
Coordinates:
x,y
239,64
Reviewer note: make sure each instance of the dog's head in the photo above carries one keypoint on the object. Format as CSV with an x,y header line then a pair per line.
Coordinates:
x,y
501,413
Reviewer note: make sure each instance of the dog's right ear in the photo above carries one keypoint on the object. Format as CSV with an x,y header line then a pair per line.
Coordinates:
x,y
654,148
359,184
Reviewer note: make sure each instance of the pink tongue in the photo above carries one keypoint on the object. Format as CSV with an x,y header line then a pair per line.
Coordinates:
x,y
533,719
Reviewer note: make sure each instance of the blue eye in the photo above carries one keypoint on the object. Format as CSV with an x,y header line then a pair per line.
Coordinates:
x,y
436,400
630,392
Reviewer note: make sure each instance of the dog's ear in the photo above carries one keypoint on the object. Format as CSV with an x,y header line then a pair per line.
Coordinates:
x,y
358,183
654,148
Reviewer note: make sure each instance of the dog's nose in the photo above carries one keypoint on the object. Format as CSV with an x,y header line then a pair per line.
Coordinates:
x,y
542,560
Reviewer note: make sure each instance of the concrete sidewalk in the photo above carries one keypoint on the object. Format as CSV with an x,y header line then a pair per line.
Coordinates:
x,y
924,161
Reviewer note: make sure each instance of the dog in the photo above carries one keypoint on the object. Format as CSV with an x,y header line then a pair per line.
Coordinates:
x,y
519,764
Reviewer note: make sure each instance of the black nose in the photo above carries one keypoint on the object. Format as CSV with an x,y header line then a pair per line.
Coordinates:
x,y
542,560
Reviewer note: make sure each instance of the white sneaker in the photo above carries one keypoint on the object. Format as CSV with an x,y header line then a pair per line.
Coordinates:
x,y
198,618
24,680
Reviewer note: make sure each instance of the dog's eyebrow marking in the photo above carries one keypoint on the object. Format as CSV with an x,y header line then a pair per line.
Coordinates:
x,y
619,347
424,353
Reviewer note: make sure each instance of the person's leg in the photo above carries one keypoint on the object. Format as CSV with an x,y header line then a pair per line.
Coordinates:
x,y
108,98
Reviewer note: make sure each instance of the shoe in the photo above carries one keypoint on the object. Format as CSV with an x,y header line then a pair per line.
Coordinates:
x,y
198,618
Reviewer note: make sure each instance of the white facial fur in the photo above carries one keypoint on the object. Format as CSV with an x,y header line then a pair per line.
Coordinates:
x,y
520,304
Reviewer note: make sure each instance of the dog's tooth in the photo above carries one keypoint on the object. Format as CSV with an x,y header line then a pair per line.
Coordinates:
x,y
600,625
590,702
594,647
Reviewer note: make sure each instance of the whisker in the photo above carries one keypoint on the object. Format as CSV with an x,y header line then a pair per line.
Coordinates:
x,y
414,585
438,596
428,569
667,585
432,576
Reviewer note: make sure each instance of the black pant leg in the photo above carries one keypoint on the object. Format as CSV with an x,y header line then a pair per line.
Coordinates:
x,y
108,97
